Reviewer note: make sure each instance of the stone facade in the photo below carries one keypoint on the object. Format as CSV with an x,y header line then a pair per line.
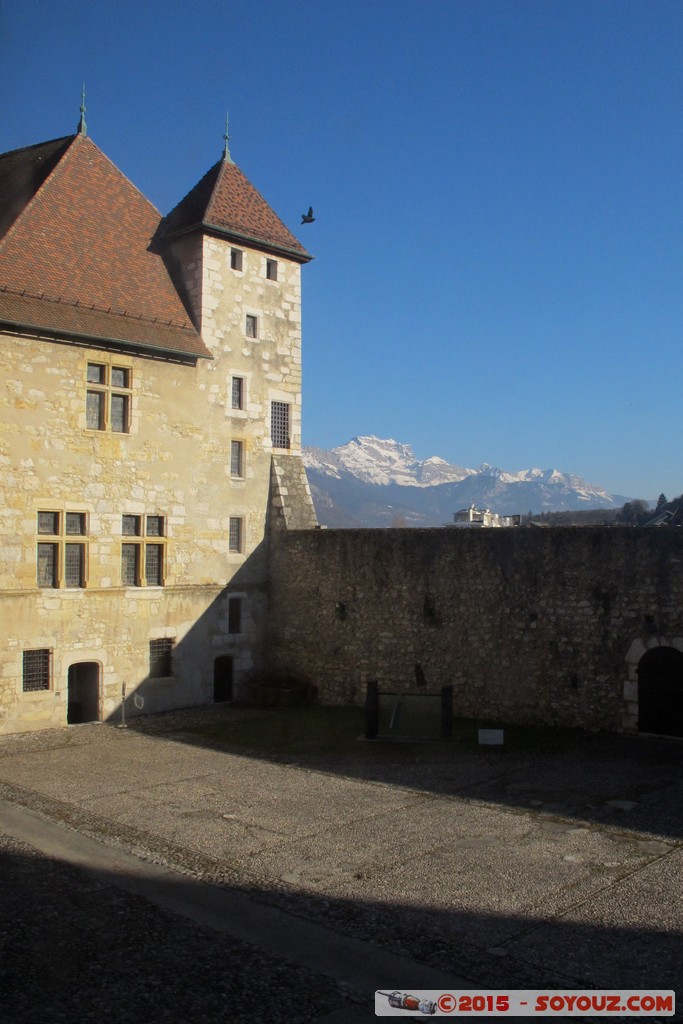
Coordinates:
x,y
187,484
543,626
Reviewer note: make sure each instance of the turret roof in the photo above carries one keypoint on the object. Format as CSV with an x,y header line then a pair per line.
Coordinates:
x,y
226,203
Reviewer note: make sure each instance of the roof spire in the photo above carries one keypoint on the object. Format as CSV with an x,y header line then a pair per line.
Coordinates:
x,y
82,127
226,137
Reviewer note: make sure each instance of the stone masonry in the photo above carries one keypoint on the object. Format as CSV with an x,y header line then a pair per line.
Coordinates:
x,y
529,625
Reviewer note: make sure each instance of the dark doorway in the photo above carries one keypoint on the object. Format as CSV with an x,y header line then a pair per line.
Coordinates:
x,y
83,700
660,692
222,678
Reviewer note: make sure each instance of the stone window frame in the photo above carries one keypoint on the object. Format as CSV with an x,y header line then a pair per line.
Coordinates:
x,y
55,546
251,326
271,269
237,259
106,387
144,539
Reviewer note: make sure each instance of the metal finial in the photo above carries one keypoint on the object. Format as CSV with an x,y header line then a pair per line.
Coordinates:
x,y
226,137
82,127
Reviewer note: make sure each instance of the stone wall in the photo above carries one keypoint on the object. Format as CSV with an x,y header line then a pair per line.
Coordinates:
x,y
528,625
172,463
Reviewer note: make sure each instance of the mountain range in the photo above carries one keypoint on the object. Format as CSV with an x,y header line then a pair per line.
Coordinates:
x,y
372,481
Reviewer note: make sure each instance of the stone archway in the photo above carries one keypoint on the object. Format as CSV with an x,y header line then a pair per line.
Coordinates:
x,y
637,651
660,691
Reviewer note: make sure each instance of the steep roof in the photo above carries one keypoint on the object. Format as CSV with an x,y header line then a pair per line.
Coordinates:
x,y
225,202
77,255
22,172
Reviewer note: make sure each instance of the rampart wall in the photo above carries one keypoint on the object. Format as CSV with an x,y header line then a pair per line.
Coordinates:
x,y
528,625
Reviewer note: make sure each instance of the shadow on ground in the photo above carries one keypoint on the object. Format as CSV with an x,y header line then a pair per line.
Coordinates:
x,y
629,782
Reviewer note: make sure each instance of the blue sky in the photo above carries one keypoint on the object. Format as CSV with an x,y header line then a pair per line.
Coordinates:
x,y
497,186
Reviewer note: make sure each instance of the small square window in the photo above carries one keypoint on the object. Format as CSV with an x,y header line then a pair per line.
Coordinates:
x,y
155,526
130,526
236,259
120,376
234,615
271,270
75,523
251,326
236,458
238,392
160,656
235,532
48,522
36,670
96,373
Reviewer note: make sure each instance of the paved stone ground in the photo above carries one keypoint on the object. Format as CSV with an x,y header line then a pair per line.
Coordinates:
x,y
552,868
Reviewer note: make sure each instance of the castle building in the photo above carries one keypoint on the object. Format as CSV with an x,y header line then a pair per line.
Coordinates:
x,y
150,425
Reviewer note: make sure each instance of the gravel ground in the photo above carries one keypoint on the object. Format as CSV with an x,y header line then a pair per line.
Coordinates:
x,y
113,956
116,957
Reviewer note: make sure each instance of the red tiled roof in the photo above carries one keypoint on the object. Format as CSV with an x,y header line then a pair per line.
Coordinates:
x,y
225,201
44,315
22,172
84,237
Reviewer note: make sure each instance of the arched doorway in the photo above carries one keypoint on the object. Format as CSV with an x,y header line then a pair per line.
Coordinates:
x,y
222,678
83,694
660,691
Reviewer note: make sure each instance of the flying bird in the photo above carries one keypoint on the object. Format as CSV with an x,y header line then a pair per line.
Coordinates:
x,y
308,218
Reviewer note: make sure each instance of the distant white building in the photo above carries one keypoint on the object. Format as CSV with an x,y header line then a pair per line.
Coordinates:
x,y
478,518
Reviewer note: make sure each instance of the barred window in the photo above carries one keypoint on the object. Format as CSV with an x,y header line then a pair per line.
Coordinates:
x,y
238,392
251,328
235,532
236,458
160,658
36,670
234,615
279,424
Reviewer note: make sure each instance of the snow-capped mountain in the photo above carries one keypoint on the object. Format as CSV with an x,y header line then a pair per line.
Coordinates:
x,y
377,461
373,481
